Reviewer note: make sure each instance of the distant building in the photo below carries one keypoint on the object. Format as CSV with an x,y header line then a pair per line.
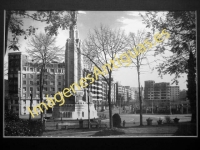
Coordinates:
x,y
174,93
129,94
160,93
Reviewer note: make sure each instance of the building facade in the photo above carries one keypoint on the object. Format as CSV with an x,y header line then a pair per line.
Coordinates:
x,y
174,93
24,79
160,93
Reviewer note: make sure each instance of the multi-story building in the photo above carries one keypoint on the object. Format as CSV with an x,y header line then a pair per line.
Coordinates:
x,y
160,93
128,92
174,93
24,79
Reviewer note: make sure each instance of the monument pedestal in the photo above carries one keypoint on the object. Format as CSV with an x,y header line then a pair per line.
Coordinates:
x,y
78,110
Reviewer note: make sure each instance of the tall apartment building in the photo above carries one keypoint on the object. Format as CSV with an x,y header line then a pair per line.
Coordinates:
x,y
158,93
24,79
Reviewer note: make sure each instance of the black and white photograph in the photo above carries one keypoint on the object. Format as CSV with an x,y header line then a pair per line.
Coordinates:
x,y
99,74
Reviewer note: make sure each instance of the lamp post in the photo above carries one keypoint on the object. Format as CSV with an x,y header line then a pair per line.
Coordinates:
x,y
31,102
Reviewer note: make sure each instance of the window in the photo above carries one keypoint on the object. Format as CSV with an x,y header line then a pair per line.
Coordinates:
x,y
45,82
38,101
59,89
52,83
38,76
31,76
59,83
24,68
38,83
38,89
31,69
31,89
52,89
37,95
31,82
59,71
45,88
52,95
82,114
45,76
24,101
24,89
24,82
16,75
38,69
52,70
24,95
24,75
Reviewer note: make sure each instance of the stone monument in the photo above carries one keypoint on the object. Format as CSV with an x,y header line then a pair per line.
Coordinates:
x,y
74,107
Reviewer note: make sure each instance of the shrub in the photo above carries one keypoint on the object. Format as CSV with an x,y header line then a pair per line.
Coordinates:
x,y
14,126
116,120
167,119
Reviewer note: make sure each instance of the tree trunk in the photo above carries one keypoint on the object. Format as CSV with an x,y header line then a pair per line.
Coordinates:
x,y
109,101
140,100
41,88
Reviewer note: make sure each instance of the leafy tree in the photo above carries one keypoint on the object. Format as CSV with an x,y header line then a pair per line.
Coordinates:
x,y
182,29
15,22
100,48
43,51
181,26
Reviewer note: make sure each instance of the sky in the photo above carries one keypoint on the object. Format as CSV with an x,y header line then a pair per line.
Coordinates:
x,y
129,21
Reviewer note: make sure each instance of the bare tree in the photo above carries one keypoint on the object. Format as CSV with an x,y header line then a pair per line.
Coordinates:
x,y
141,46
43,51
100,48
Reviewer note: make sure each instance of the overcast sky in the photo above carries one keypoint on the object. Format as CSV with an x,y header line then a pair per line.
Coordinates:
x,y
130,21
